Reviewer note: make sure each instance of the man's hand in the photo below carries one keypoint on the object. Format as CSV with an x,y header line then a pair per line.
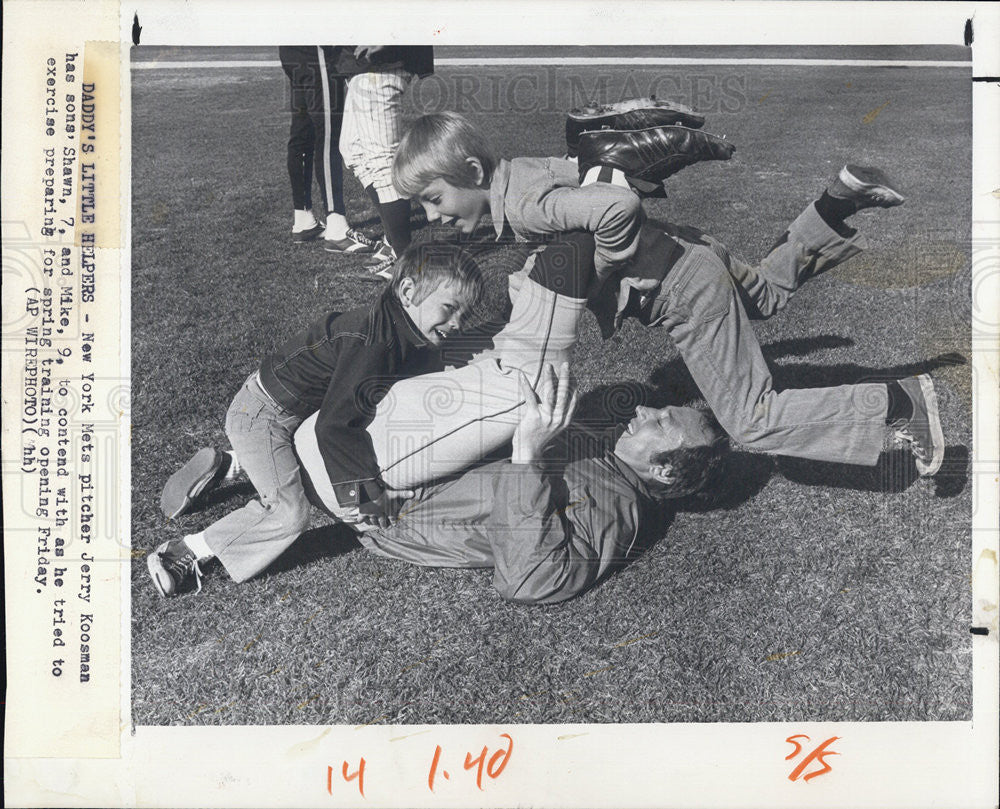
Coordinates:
x,y
383,510
545,415
367,51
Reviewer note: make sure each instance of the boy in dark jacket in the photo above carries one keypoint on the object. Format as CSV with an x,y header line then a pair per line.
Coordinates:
x,y
342,365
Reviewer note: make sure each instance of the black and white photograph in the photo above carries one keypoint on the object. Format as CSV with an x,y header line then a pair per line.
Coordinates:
x,y
556,404
566,385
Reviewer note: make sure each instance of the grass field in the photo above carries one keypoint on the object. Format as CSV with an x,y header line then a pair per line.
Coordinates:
x,y
804,591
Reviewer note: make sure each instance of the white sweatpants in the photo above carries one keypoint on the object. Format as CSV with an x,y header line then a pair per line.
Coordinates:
x,y
373,124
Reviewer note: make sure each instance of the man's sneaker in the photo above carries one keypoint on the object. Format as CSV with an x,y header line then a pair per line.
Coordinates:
x,y
197,476
866,187
648,156
307,235
923,429
635,113
353,242
173,567
381,262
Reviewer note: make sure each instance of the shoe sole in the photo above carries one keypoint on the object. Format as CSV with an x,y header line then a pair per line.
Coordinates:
x,y
184,485
156,570
360,250
934,422
306,236
709,137
854,179
642,112
632,105
382,265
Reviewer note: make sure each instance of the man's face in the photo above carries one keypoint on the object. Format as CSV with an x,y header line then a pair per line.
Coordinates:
x,y
439,315
451,205
654,431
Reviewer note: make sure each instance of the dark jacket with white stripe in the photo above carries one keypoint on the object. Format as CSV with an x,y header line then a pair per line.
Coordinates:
x,y
343,365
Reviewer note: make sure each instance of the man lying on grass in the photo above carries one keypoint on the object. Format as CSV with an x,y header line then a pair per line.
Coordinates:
x,y
550,528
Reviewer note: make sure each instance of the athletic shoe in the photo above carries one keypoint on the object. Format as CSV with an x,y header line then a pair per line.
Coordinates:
x,y
353,242
381,262
923,429
648,156
635,113
173,566
197,476
301,236
866,187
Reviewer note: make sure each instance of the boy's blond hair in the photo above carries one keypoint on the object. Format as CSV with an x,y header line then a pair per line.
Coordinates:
x,y
439,146
433,263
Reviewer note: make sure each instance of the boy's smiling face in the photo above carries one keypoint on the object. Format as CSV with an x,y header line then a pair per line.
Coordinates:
x,y
439,315
454,205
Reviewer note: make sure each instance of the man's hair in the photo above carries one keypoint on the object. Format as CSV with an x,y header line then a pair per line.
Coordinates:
x,y
438,146
692,467
432,263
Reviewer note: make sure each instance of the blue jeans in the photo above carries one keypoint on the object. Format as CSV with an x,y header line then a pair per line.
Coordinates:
x,y
260,431
705,302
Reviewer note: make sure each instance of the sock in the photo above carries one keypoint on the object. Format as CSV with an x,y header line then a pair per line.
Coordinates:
x,y
900,406
196,542
303,221
604,174
834,210
336,226
395,218
566,266
234,466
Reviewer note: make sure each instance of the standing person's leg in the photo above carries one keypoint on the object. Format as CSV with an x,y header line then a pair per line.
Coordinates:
x,y
327,114
328,117
372,129
301,139
327,99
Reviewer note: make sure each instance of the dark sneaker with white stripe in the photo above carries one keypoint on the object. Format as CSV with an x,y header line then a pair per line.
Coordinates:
x,y
634,113
922,431
174,568
866,187
381,262
202,473
307,235
354,242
